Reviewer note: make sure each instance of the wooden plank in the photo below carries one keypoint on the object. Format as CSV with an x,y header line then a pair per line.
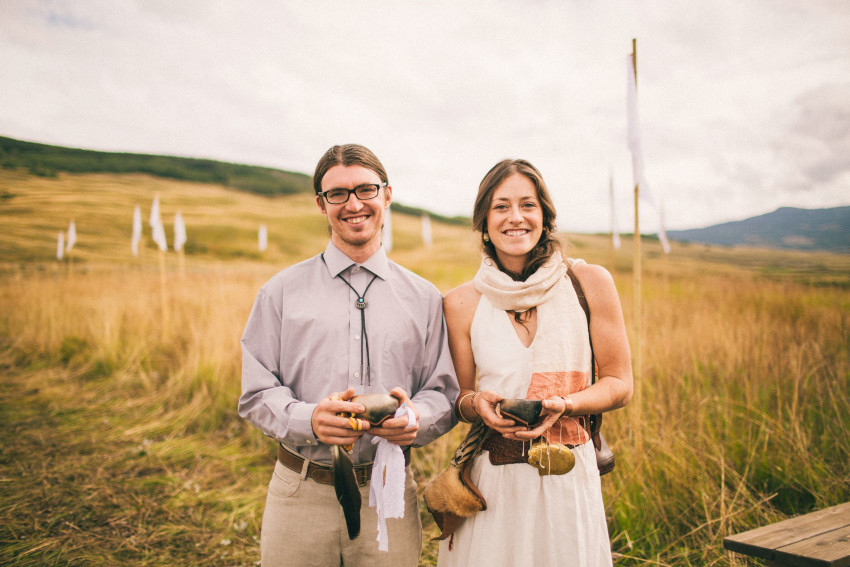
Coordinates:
x,y
829,549
796,529
761,542
733,544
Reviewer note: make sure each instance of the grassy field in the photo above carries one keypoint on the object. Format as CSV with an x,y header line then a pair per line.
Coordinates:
x,y
121,445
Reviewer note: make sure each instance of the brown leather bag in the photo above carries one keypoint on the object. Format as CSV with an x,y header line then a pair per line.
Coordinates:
x,y
604,454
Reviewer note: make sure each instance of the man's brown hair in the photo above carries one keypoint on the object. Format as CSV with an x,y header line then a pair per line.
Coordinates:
x,y
347,155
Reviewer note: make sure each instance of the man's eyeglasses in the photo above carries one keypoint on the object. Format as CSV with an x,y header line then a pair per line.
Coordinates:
x,y
365,192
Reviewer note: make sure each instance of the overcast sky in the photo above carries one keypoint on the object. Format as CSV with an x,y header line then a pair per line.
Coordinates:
x,y
744,105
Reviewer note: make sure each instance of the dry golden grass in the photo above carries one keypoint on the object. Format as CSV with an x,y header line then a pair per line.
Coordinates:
x,y
221,224
121,443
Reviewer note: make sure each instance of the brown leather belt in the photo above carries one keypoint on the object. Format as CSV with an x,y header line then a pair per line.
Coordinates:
x,y
504,451
323,474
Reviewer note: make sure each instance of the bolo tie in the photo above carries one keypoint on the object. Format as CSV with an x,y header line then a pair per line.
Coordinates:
x,y
361,305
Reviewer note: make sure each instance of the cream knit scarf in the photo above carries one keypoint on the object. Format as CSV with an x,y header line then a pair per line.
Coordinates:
x,y
505,293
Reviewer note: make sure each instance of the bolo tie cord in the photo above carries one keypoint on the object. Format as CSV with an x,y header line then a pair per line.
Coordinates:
x,y
361,305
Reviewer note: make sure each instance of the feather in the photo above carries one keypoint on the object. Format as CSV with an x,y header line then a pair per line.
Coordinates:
x,y
471,444
347,491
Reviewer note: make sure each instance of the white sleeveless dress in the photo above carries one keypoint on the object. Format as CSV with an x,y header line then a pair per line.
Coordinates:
x,y
534,520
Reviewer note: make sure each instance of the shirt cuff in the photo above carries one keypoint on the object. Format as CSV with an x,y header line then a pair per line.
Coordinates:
x,y
301,426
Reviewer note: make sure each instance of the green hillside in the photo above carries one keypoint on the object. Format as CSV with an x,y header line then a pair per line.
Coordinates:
x,y
42,160
48,161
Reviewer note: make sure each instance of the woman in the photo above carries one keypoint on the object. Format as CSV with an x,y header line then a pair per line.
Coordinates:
x,y
518,326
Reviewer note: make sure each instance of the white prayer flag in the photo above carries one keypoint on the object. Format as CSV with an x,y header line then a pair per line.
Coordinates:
x,y
426,229
179,232
154,218
137,230
159,237
72,237
634,133
662,233
615,233
636,148
388,231
158,231
60,247
262,238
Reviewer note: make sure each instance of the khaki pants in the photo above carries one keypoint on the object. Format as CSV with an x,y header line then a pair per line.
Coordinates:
x,y
303,525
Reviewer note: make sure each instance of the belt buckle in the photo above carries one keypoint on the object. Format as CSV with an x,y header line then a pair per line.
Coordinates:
x,y
361,473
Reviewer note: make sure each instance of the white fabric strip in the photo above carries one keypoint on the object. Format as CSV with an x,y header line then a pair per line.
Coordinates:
x,y
386,488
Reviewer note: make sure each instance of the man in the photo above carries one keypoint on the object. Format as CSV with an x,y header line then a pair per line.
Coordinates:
x,y
346,321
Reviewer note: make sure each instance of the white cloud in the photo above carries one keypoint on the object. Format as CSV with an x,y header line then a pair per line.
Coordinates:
x,y
740,102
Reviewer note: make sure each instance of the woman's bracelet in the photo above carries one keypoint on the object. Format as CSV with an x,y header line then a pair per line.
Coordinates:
x,y
460,408
568,406
473,404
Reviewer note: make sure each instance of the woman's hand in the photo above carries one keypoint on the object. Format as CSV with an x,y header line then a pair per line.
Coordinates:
x,y
553,408
484,403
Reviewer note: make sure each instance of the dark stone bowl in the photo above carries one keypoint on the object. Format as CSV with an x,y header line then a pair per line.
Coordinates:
x,y
524,411
379,407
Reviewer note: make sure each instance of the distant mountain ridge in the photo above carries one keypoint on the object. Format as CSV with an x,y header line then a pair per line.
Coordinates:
x,y
786,227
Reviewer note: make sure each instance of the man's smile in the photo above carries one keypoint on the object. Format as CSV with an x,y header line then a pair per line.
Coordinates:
x,y
357,219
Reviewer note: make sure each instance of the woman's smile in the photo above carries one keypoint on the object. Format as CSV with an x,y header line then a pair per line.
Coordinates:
x,y
515,221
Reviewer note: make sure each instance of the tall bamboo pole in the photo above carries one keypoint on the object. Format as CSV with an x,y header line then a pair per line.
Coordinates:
x,y
163,296
611,249
636,356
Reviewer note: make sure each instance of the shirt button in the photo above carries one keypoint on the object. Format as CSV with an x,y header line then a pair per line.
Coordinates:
x,y
357,375
355,269
356,337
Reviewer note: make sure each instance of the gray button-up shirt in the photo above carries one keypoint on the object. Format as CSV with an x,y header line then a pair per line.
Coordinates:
x,y
303,342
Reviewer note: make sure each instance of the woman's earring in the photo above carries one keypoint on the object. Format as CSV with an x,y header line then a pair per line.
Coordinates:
x,y
485,237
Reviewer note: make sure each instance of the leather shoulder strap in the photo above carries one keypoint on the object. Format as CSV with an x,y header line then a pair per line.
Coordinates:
x,y
595,419
583,302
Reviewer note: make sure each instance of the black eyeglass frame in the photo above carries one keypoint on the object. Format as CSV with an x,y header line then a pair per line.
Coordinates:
x,y
350,191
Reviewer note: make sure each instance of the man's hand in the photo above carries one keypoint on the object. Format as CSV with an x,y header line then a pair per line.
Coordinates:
x,y
395,429
334,429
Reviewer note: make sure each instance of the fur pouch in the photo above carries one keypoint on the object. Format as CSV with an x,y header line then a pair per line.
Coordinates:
x,y
450,500
448,493
451,496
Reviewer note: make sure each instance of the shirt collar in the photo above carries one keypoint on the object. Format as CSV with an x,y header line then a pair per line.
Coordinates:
x,y
337,262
